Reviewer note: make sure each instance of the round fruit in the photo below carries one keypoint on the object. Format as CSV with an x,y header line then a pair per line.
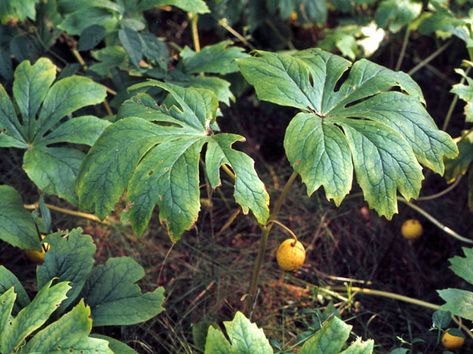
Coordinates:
x,y
411,229
290,255
452,340
38,256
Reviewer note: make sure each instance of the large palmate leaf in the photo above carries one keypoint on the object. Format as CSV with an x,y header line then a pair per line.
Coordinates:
x,y
45,110
115,298
458,301
70,258
374,123
154,155
17,226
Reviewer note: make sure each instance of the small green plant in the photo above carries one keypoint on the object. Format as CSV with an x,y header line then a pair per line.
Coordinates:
x,y
244,337
108,293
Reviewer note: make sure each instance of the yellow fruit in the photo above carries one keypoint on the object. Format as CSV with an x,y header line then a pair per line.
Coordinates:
x,y
290,255
452,341
38,256
411,229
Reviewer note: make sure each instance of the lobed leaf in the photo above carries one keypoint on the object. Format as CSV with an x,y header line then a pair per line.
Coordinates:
x,y
159,165
361,122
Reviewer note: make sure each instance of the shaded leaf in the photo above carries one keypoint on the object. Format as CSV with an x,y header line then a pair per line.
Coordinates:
x,y
115,298
69,258
17,226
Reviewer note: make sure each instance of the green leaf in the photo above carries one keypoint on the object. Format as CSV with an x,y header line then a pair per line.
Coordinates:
x,y
109,58
218,58
395,14
67,96
9,123
159,165
168,176
441,319
220,87
388,130
195,6
329,339
69,334
110,163
360,347
250,191
7,301
79,20
30,87
458,302
90,37
131,41
115,345
17,226
381,172
115,298
465,92
9,280
69,258
80,130
463,266
54,170
327,153
33,316
457,167
244,337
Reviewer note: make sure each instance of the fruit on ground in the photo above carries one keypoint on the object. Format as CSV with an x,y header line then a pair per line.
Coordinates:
x,y
290,255
411,229
38,256
452,340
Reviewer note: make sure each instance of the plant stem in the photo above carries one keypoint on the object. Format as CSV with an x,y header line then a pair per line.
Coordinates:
x,y
79,58
403,49
195,31
390,295
251,298
69,212
437,223
441,193
224,23
284,227
429,58
454,103
394,296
